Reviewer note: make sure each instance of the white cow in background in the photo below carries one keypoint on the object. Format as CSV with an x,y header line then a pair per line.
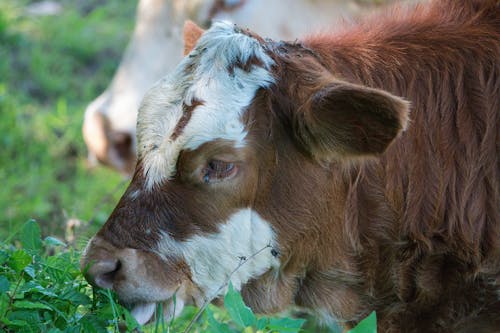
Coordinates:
x,y
156,47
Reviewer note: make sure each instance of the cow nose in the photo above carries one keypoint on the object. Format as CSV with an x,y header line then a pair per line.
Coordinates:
x,y
102,273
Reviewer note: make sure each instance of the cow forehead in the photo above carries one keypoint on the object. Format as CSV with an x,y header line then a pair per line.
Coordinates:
x,y
215,83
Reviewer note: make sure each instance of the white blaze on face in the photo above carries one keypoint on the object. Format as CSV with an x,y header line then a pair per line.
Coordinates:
x,y
213,258
209,74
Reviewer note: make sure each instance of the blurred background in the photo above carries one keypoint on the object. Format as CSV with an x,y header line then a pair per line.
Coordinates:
x,y
60,64
54,60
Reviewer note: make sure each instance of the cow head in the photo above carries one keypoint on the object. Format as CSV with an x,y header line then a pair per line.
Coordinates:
x,y
236,151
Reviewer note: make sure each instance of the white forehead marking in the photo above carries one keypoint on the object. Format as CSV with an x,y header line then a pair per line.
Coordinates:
x,y
209,74
212,258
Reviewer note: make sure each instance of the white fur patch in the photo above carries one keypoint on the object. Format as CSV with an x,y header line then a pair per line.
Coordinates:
x,y
208,74
212,258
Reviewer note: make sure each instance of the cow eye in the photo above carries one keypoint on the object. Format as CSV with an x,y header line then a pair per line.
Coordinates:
x,y
217,170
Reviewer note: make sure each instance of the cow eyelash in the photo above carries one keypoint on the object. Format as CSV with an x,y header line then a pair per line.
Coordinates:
x,y
217,170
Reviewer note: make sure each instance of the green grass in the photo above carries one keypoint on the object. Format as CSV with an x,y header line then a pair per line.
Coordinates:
x,y
50,68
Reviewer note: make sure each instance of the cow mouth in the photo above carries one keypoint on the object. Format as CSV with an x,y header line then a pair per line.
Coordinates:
x,y
166,306
143,312
149,312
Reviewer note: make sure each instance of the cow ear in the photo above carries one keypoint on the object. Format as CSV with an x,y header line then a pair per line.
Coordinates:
x,y
343,119
192,33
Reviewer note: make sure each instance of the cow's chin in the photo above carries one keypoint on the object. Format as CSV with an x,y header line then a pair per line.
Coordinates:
x,y
148,310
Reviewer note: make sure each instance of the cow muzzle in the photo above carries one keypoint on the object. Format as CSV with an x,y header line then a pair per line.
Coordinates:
x,y
141,279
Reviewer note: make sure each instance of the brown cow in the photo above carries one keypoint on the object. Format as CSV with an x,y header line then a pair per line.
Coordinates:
x,y
297,153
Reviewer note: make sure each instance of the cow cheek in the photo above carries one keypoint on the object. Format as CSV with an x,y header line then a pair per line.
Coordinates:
x,y
215,258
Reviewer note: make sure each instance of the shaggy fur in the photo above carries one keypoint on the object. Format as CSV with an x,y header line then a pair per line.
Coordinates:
x,y
422,221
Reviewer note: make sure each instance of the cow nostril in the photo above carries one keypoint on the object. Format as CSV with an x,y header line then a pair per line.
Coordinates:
x,y
104,273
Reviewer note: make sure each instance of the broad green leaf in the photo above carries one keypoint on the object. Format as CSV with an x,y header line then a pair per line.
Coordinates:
x,y
4,304
48,317
52,241
15,322
367,325
30,237
32,319
262,323
214,325
58,268
239,312
19,260
34,287
289,325
31,305
105,312
54,330
30,270
92,324
74,329
4,284
75,297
